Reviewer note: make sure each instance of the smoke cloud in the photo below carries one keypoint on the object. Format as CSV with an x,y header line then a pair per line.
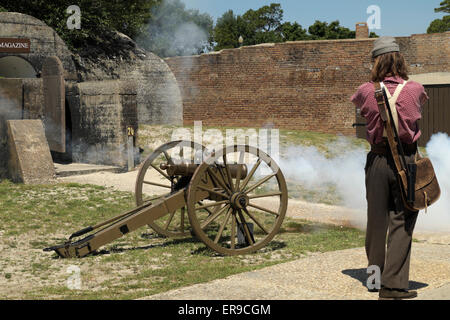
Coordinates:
x,y
171,33
344,169
438,216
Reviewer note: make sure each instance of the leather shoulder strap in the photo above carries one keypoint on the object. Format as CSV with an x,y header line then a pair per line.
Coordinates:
x,y
388,126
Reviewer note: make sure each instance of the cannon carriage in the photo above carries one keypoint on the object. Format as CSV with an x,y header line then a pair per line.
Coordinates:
x,y
234,200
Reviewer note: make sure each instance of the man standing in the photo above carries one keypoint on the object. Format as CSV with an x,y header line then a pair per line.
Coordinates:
x,y
386,214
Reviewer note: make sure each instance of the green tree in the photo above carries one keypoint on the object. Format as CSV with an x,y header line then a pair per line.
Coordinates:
x,y
322,31
441,25
444,7
266,25
97,17
255,26
227,32
175,30
293,32
263,25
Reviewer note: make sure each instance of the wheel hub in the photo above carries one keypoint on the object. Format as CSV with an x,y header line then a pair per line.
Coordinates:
x,y
239,200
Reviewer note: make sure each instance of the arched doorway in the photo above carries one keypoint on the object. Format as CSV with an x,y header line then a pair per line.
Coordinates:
x,y
16,67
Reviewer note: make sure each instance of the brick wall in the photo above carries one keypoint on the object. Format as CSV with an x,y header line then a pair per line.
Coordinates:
x,y
304,85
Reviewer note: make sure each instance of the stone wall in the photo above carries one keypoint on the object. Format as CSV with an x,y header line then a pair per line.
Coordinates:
x,y
105,110
158,96
304,85
19,99
45,41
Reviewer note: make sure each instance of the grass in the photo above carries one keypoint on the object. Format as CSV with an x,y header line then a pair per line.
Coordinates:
x,y
137,265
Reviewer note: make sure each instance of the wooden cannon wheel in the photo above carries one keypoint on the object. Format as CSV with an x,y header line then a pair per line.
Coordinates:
x,y
242,225
153,180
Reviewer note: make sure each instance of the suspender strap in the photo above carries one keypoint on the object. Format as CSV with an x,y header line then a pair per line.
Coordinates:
x,y
393,144
393,102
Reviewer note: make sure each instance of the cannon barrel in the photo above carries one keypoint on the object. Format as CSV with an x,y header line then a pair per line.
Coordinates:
x,y
188,169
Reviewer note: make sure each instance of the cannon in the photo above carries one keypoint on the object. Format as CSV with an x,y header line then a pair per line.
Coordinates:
x,y
234,200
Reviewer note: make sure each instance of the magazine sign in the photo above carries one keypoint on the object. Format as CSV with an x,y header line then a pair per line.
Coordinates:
x,y
15,45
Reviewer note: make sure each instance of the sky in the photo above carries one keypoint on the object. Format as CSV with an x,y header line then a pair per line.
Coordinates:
x,y
397,18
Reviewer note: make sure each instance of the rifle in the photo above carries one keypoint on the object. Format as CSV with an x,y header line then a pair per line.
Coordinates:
x,y
410,168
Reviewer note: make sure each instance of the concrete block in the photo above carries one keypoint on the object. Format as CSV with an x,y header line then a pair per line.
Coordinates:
x,y
10,109
30,160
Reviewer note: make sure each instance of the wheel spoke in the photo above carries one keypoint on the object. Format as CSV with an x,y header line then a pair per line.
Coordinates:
x,y
260,182
250,175
222,226
270,194
214,216
219,168
230,179
245,227
256,221
214,177
157,184
168,158
238,176
212,204
233,231
161,172
212,191
207,210
263,209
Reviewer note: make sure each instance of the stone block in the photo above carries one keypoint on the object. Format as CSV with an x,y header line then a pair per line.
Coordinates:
x,y
30,160
10,109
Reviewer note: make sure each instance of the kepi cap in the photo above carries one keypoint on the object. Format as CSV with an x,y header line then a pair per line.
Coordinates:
x,y
384,45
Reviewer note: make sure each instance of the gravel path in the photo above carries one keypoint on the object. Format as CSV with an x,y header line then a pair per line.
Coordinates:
x,y
338,275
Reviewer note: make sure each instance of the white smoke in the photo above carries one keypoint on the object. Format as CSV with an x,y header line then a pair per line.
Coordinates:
x,y
9,110
187,38
438,216
171,34
344,168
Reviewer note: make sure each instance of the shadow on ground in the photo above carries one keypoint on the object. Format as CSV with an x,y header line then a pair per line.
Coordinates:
x,y
361,276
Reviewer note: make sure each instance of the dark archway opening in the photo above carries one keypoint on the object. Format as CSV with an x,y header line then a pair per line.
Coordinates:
x,y
16,67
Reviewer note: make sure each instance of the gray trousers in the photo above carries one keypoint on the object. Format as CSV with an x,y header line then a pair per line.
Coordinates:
x,y
389,225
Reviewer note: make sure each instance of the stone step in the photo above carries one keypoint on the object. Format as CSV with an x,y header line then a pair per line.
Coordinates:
x,y
78,169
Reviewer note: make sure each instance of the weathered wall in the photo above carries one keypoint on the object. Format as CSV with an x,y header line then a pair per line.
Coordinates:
x,y
303,85
105,110
45,41
19,99
158,96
